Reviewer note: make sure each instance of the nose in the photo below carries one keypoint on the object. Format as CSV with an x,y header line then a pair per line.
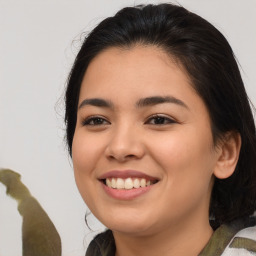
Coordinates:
x,y
125,144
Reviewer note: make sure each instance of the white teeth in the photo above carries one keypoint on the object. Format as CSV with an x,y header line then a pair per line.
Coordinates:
x,y
143,183
108,182
136,183
113,183
128,183
119,183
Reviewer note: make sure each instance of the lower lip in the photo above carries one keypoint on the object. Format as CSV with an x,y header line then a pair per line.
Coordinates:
x,y
125,194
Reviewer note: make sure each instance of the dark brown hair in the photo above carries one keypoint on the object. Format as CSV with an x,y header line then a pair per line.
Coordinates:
x,y
210,63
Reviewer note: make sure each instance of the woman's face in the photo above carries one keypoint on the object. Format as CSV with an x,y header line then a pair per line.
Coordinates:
x,y
143,151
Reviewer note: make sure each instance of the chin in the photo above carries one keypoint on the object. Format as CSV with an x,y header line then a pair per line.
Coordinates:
x,y
126,218
129,226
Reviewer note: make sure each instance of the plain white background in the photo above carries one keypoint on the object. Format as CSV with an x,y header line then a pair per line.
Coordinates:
x,y
38,42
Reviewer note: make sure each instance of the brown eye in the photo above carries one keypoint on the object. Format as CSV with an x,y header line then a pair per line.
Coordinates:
x,y
95,121
160,120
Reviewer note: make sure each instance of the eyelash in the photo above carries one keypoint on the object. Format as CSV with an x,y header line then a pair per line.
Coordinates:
x,y
98,120
88,121
166,120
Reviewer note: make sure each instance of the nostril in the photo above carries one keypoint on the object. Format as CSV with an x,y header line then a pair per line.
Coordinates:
x,y
121,158
130,156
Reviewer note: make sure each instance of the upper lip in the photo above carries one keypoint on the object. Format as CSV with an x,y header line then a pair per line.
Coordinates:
x,y
127,174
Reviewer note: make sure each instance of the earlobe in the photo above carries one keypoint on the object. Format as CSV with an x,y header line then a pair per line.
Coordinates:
x,y
228,155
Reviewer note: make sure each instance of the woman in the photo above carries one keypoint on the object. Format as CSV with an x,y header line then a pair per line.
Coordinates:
x,y
162,136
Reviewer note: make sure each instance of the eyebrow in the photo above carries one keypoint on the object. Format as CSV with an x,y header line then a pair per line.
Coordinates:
x,y
149,101
97,102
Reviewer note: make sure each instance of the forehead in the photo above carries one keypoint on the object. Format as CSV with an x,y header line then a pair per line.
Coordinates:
x,y
145,67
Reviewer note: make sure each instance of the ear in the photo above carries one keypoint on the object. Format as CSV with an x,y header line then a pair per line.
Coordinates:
x,y
229,149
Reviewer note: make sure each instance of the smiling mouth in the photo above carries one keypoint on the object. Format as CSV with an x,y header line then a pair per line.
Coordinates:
x,y
128,183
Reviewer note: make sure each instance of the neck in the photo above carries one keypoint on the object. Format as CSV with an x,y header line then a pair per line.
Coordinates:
x,y
176,240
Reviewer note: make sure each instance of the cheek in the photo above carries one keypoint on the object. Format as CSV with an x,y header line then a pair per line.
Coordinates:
x,y
85,155
177,148
85,152
185,156
187,164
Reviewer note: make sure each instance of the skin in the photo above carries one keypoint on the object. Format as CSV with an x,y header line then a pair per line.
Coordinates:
x,y
172,217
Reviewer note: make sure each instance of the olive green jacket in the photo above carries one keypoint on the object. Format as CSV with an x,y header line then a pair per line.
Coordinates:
x,y
237,238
